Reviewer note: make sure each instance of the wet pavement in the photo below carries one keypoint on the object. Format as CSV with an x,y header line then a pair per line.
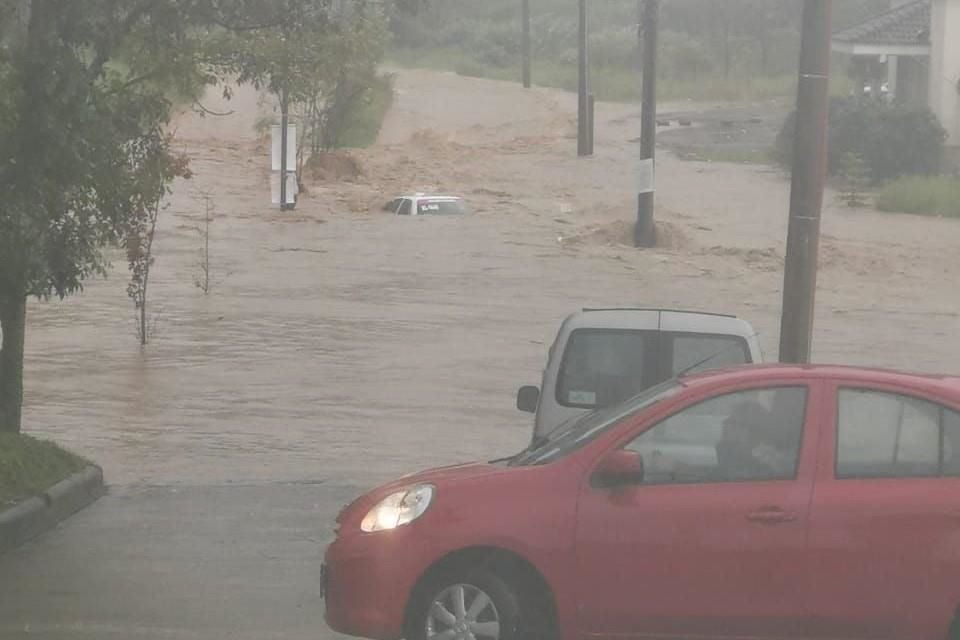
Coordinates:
x,y
160,563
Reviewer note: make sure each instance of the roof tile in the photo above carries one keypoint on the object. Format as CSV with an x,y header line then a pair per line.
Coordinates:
x,y
907,24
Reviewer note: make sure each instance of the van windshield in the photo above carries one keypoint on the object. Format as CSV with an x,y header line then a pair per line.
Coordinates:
x,y
604,367
576,434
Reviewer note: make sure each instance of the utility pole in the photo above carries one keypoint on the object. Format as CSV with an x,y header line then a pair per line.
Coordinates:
x,y
525,44
583,101
807,180
645,232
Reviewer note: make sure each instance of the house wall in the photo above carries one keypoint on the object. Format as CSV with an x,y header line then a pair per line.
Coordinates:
x,y
944,84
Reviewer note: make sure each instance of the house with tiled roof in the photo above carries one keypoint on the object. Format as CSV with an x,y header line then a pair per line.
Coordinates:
x,y
918,44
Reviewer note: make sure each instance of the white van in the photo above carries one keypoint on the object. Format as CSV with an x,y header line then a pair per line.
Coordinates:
x,y
604,356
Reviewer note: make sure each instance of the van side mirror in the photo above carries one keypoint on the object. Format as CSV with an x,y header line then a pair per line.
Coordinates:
x,y
528,398
619,468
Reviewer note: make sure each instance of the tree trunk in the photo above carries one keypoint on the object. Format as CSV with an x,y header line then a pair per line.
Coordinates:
x,y
143,316
13,322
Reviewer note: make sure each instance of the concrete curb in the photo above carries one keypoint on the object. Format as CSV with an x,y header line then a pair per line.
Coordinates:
x,y
42,513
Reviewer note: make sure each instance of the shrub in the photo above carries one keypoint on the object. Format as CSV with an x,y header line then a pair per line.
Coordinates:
x,y
893,139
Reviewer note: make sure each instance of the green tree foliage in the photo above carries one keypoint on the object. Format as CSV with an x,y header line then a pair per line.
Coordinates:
x,y
357,45
141,230
323,62
893,139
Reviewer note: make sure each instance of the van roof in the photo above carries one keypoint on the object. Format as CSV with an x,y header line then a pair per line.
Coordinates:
x,y
660,320
659,310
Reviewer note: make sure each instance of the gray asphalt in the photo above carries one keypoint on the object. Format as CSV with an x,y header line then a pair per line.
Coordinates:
x,y
161,563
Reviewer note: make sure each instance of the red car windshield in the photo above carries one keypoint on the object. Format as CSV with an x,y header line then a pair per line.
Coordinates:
x,y
567,438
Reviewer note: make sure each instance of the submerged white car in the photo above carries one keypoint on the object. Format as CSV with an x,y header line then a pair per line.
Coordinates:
x,y
421,204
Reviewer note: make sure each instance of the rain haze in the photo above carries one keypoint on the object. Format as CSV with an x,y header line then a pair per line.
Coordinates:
x,y
297,358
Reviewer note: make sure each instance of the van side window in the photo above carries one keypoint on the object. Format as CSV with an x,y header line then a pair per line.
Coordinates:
x,y
887,435
406,207
745,436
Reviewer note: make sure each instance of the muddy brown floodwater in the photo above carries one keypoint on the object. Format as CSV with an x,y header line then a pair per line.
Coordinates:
x,y
342,342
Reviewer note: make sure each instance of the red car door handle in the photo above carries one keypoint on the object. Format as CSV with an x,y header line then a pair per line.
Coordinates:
x,y
771,516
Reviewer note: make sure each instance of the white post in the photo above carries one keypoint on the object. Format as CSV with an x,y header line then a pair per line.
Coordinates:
x,y
893,66
276,163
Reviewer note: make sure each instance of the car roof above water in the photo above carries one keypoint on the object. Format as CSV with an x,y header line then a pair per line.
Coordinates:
x,y
427,196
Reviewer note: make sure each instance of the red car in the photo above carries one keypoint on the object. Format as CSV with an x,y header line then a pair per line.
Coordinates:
x,y
760,502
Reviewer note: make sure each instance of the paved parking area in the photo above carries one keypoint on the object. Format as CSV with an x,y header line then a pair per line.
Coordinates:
x,y
217,563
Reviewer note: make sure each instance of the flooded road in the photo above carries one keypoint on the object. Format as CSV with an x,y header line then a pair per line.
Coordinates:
x,y
340,346
340,342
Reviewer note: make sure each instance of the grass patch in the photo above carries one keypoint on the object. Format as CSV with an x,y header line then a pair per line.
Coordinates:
x,y
363,125
722,154
610,84
923,195
28,467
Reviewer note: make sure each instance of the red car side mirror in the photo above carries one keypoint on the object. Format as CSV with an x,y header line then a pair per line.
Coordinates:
x,y
619,468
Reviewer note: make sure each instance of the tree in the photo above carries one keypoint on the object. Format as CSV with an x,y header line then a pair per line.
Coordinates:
x,y
81,144
203,280
322,64
356,47
142,229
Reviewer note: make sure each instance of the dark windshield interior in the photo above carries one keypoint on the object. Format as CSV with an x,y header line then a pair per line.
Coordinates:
x,y
602,367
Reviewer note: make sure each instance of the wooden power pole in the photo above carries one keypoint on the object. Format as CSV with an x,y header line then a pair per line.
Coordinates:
x,y
806,188
525,43
583,99
645,232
